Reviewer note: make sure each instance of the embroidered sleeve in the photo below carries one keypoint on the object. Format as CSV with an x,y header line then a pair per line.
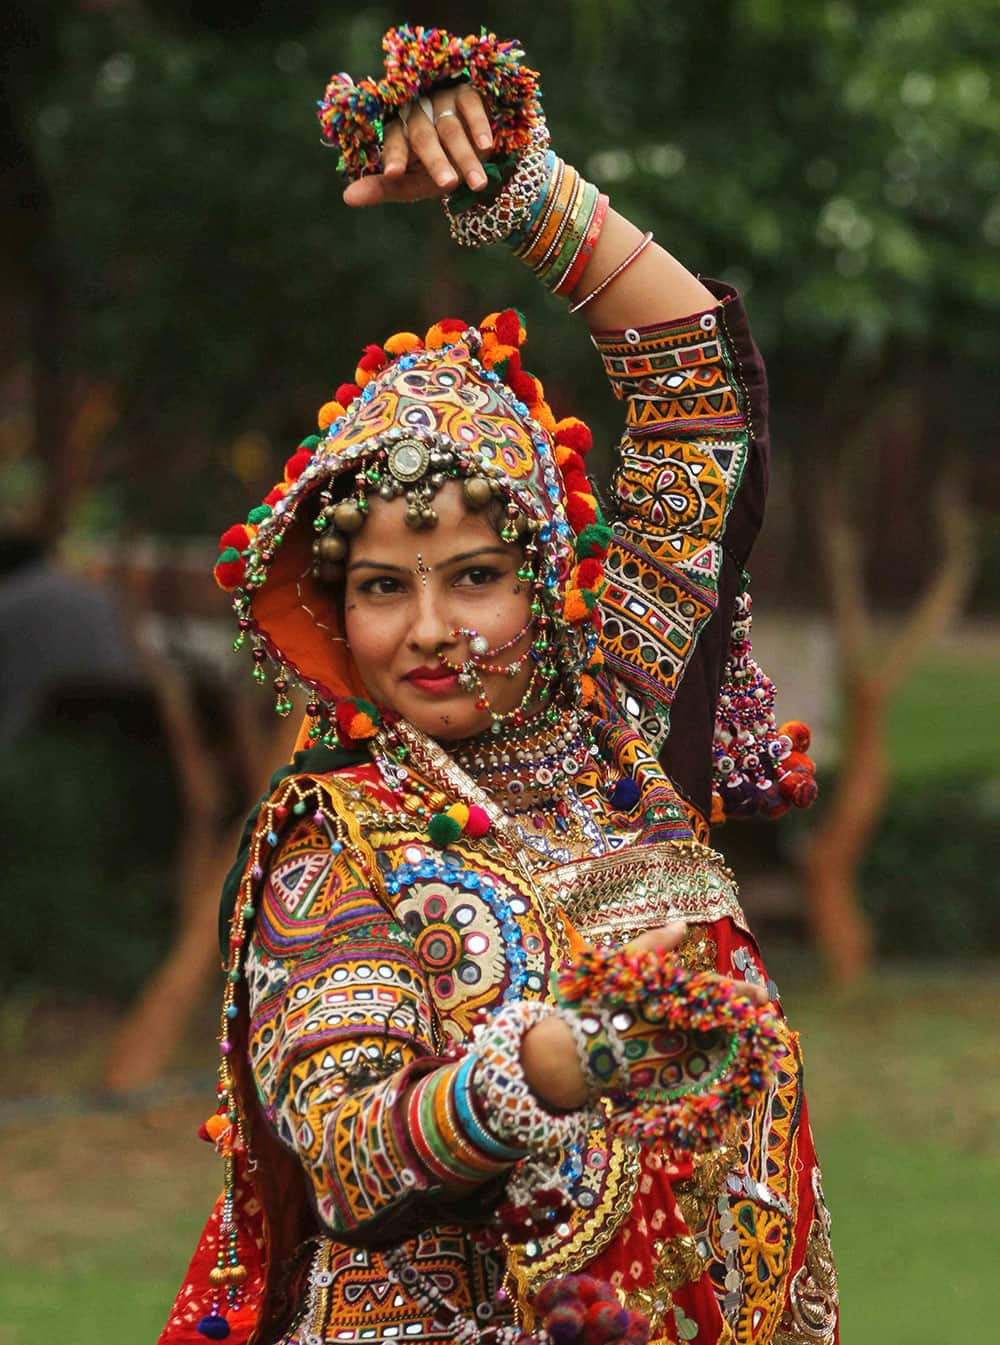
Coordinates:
x,y
695,399
342,1044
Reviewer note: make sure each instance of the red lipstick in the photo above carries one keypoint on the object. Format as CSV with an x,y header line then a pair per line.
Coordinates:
x,y
436,681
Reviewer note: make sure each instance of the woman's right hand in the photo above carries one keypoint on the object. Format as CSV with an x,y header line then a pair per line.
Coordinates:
x,y
428,159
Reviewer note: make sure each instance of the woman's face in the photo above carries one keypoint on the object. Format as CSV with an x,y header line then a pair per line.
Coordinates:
x,y
407,593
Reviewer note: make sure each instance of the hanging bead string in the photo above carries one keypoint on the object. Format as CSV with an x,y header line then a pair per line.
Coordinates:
x,y
298,797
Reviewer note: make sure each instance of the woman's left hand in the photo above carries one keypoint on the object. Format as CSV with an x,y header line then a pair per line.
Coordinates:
x,y
429,158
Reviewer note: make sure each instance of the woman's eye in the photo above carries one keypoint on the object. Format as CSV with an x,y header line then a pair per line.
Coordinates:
x,y
478,575
380,584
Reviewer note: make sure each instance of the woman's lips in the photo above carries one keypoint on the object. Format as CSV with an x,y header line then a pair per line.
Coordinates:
x,y
435,681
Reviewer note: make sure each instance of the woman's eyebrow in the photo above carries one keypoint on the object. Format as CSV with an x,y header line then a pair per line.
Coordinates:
x,y
452,560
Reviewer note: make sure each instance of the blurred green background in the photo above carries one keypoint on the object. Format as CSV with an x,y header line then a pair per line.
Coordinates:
x,y
183,287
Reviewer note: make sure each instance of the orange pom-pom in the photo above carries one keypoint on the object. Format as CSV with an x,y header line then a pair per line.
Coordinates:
x,y
444,333
718,815
402,342
573,433
297,464
361,726
347,392
328,413
798,761
543,414
215,1125
588,688
575,609
799,733
497,354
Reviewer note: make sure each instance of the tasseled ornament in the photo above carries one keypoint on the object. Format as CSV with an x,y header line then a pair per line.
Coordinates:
x,y
757,767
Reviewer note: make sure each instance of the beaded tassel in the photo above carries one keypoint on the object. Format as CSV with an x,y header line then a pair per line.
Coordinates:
x,y
757,767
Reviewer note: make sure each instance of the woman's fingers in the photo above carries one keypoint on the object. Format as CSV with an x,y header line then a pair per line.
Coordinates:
x,y
425,143
454,137
470,105
395,150
667,936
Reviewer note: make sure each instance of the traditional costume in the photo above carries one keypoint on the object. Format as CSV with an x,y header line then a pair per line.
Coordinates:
x,y
402,907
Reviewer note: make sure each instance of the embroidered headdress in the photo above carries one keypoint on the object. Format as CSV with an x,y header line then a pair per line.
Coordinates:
x,y
457,404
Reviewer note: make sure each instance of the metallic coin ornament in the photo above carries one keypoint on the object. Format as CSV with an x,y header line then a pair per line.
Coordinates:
x,y
408,460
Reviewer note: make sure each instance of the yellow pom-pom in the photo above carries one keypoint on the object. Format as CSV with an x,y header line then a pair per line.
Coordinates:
x,y
328,413
460,812
402,342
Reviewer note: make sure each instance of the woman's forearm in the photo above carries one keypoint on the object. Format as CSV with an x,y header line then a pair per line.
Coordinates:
x,y
654,288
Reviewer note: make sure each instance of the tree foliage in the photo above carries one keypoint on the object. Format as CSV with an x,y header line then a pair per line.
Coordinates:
x,y
840,162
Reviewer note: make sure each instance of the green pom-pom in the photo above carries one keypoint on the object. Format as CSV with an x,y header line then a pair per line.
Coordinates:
x,y
226,557
310,441
443,829
594,537
259,514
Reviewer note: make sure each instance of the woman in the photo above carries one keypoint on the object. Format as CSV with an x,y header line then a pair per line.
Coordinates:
x,y
507,761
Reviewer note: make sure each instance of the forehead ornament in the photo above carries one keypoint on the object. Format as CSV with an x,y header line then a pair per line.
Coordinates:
x,y
408,460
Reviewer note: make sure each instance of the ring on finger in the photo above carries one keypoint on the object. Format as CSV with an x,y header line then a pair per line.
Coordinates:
x,y
448,112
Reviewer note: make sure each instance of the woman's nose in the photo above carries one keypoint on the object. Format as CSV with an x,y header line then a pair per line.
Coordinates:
x,y
431,627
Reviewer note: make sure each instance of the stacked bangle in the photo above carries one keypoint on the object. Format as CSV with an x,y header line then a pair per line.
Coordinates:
x,y
559,234
446,1149
497,1080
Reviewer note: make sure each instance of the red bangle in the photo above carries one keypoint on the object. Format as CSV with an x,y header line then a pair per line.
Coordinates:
x,y
572,277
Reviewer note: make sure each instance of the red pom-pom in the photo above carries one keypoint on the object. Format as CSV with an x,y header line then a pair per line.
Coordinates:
x,y
229,573
373,359
580,511
449,325
574,434
237,537
347,393
297,464
588,574
522,386
478,823
576,481
274,495
508,328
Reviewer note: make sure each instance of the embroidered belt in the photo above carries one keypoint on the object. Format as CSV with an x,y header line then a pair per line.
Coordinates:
x,y
614,897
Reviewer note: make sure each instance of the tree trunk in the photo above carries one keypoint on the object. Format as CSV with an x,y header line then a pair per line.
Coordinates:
x,y
838,845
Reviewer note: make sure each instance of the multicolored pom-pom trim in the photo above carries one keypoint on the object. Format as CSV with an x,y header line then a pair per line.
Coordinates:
x,y
459,819
417,61
664,992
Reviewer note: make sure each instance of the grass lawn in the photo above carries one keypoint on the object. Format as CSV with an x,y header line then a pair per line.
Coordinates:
x,y
101,1209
